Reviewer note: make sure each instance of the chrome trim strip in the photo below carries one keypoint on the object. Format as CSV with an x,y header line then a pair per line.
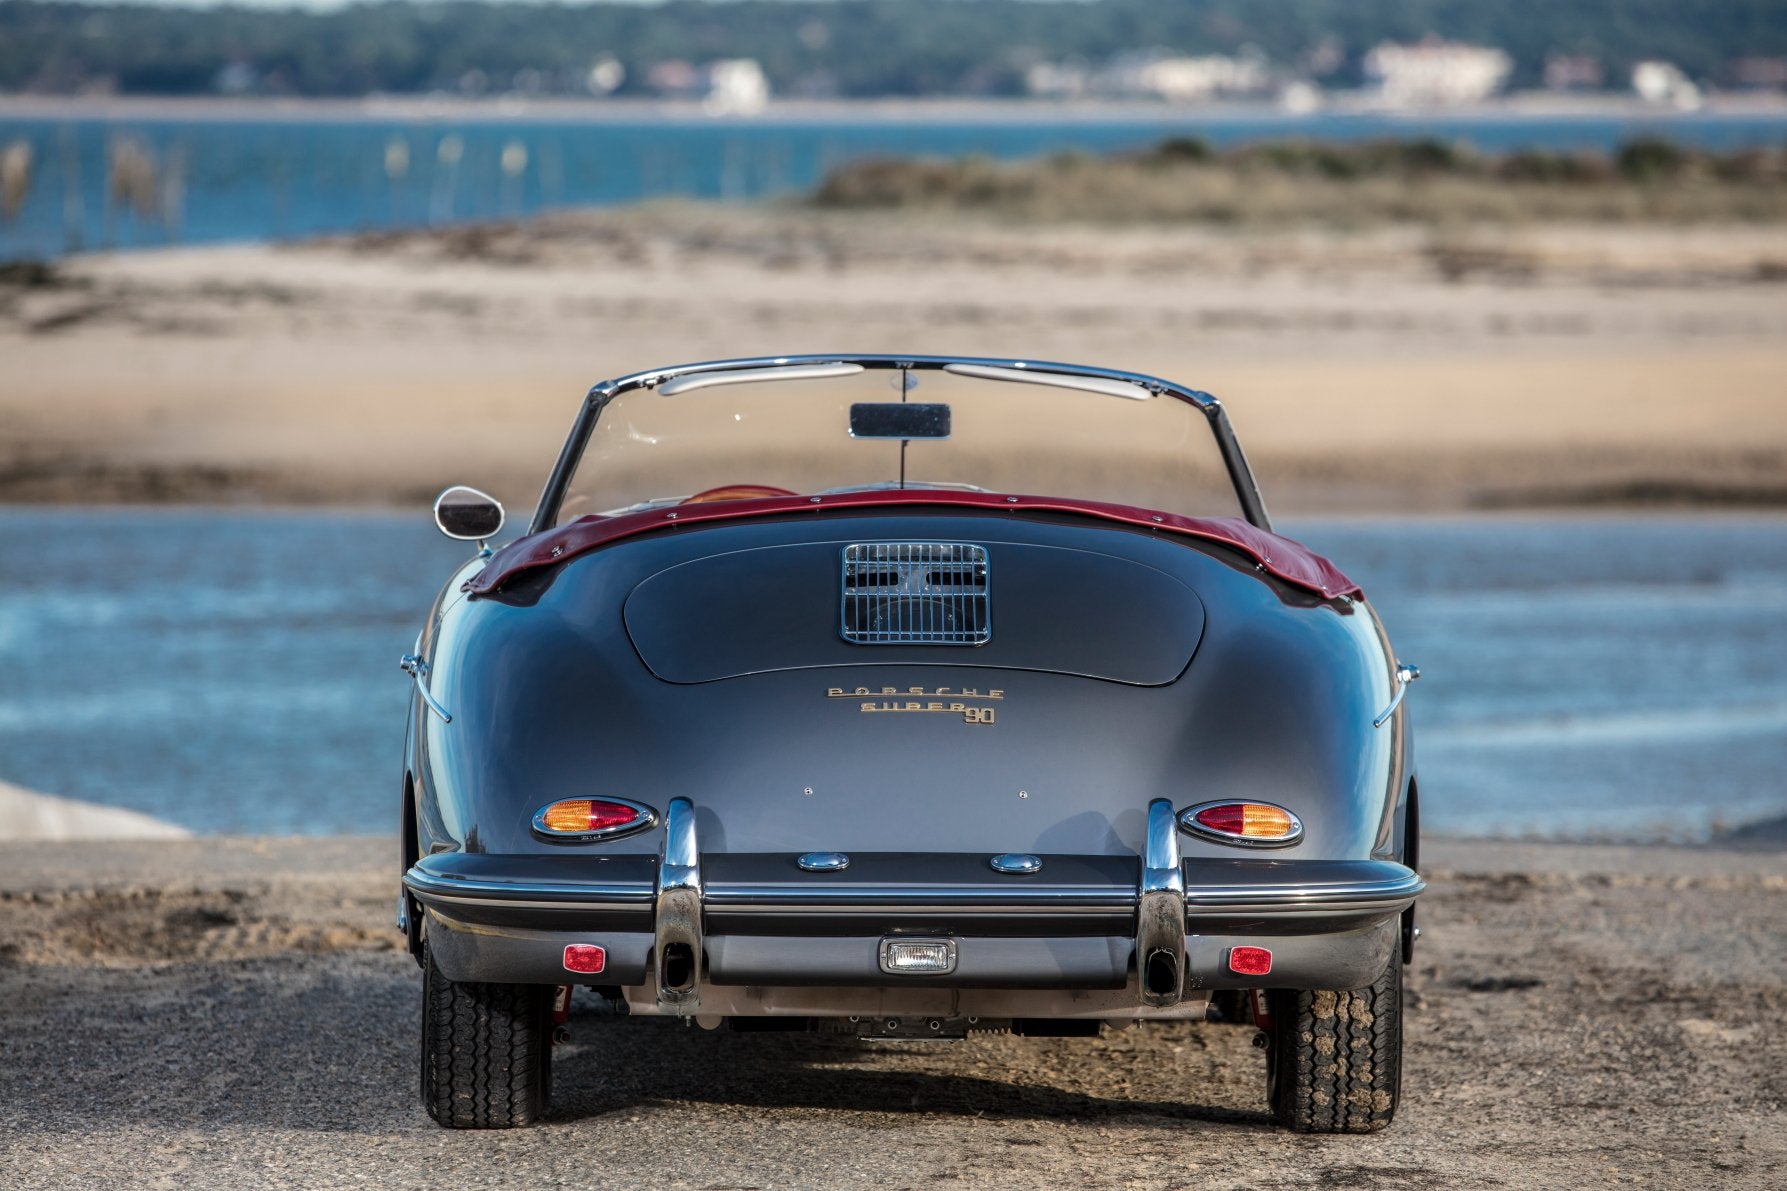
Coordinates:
x,y
725,897
783,909
414,666
427,884
438,901
1160,911
657,377
1405,674
646,818
690,383
1188,823
677,952
1022,374
1281,898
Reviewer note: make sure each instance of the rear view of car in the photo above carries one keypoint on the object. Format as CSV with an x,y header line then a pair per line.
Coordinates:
x,y
906,698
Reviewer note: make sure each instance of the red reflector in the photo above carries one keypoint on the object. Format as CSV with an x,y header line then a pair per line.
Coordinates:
x,y
585,957
1250,961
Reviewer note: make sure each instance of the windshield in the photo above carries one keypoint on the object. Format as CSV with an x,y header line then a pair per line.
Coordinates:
x,y
793,434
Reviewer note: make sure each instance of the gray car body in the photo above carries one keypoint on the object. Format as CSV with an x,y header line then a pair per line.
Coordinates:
x,y
705,664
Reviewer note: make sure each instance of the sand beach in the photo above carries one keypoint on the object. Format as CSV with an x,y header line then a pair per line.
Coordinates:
x,y
232,1012
1389,370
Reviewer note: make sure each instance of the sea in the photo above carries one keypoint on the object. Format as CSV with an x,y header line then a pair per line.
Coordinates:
x,y
132,181
1615,677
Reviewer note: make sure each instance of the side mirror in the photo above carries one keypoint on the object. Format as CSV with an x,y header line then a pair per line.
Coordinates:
x,y
467,514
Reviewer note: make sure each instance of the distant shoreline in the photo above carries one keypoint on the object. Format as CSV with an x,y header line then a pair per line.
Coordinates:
x,y
1537,107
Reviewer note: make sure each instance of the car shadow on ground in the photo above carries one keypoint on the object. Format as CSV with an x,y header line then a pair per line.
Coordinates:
x,y
614,1065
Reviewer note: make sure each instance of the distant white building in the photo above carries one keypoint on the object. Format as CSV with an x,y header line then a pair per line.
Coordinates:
x,y
605,76
1299,98
1185,80
1664,82
1436,72
1159,75
736,87
1057,80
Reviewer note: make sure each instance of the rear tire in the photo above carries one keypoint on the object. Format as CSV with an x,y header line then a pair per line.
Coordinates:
x,y
486,1051
1334,1059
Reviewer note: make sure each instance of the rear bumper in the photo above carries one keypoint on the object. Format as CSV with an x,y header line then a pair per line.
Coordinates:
x,y
1330,959
758,922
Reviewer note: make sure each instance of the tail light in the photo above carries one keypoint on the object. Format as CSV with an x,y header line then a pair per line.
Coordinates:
x,y
574,819
1249,824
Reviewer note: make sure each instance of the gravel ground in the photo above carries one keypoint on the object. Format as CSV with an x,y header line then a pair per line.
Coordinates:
x,y
234,1013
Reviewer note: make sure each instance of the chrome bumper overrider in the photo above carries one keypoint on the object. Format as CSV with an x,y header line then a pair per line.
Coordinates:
x,y
745,916
678,948
1160,911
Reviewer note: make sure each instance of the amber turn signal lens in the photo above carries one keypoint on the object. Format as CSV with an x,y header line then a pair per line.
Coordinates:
x,y
580,816
1244,822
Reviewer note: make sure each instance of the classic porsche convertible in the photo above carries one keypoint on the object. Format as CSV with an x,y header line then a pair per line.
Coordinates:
x,y
905,697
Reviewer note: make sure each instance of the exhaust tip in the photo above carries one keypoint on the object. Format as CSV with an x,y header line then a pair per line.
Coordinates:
x,y
1161,973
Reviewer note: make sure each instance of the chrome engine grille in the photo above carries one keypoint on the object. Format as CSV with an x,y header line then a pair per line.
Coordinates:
x,y
916,593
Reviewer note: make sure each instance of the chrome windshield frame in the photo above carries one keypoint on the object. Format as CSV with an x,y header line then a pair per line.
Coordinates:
x,y
1247,492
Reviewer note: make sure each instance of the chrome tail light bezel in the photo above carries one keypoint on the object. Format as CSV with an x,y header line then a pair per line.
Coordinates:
x,y
1188,823
644,819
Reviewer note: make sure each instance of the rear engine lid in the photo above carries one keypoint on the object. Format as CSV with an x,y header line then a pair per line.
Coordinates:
x,y
1014,607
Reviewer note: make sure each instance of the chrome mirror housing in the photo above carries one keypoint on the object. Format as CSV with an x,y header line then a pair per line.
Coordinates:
x,y
468,515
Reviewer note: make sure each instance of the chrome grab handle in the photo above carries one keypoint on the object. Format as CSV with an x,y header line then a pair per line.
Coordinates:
x,y
1160,911
413,665
678,946
1405,674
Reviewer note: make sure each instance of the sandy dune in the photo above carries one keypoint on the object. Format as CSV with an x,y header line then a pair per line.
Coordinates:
x,y
1384,370
28,815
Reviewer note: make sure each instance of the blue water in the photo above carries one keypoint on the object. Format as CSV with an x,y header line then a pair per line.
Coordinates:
x,y
1614,678
279,179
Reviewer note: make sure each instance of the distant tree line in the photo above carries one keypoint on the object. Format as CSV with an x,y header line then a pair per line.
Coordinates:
x,y
849,48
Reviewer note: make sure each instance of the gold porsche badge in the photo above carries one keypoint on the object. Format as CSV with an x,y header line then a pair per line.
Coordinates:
x,y
967,702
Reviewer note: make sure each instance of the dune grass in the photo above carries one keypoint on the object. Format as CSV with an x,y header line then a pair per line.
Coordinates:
x,y
1418,181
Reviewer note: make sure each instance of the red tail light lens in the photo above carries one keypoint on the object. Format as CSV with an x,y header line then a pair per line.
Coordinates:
x,y
1250,961
592,818
1258,824
586,958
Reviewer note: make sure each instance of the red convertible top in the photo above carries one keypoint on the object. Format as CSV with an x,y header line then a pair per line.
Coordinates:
x,y
1288,560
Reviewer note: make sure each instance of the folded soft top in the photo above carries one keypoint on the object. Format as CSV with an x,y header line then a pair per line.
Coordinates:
x,y
1278,556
